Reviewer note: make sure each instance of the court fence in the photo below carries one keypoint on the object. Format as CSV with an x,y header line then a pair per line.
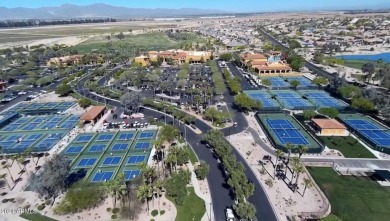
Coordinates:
x,y
280,146
364,138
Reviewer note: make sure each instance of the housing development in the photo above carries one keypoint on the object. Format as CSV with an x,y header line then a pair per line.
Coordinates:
x,y
116,113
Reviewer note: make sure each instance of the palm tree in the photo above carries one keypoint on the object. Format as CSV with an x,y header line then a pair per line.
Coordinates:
x,y
278,153
289,147
7,166
143,194
28,153
15,158
4,177
158,146
295,161
21,161
308,183
174,150
298,169
159,184
301,150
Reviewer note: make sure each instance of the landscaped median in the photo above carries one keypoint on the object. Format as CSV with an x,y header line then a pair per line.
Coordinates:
x,y
193,207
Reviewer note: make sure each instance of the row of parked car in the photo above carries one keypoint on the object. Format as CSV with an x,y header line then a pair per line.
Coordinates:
x,y
117,125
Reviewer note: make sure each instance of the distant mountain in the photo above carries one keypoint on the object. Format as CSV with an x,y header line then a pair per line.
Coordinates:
x,y
67,11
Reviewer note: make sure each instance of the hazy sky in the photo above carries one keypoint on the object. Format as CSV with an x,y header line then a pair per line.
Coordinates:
x,y
229,5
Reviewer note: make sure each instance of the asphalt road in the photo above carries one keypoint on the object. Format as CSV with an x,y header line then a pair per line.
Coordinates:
x,y
221,194
23,97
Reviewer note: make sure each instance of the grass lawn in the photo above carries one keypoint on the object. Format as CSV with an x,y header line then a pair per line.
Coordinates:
x,y
357,64
193,157
348,146
192,209
353,198
36,217
144,42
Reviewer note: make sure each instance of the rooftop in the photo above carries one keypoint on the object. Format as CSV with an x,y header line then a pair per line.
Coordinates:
x,y
328,124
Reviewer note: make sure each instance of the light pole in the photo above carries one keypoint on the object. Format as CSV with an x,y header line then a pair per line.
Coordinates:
x,y
210,212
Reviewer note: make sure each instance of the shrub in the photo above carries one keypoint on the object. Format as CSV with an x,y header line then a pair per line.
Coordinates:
x,y
154,212
3,162
26,206
3,193
162,212
48,202
108,209
4,200
41,207
115,210
202,170
152,220
114,216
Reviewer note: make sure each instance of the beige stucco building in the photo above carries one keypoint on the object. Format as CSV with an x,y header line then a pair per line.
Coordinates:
x,y
330,127
177,57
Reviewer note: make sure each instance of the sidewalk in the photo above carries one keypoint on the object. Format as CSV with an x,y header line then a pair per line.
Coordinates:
x,y
205,197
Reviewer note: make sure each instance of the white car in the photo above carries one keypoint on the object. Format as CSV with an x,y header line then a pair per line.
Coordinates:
x,y
229,215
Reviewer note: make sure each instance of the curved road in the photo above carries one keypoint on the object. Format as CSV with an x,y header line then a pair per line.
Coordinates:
x,y
221,194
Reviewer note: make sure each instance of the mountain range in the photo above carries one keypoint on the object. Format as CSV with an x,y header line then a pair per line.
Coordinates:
x,y
100,10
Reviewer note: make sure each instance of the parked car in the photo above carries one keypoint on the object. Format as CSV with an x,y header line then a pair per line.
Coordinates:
x,y
229,215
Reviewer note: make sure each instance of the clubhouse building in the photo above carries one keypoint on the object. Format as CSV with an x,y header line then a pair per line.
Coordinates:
x,y
176,56
265,64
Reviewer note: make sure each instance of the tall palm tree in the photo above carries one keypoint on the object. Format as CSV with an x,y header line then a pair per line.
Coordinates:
x,y
295,161
174,150
158,146
308,183
159,184
28,153
4,177
7,166
301,150
289,147
278,153
298,169
21,161
143,194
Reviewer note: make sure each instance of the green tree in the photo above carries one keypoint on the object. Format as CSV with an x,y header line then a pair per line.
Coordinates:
x,y
278,154
329,111
81,196
114,187
362,103
318,58
53,180
309,114
202,170
294,84
246,211
176,185
169,133
319,81
84,102
296,65
349,91
213,114
308,183
63,89
301,150
266,82
245,103
143,193
294,44
226,56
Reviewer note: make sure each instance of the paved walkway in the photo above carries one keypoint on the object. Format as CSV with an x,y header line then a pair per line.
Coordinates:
x,y
205,197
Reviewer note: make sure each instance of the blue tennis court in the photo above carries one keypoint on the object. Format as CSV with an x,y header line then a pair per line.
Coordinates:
x,y
10,127
87,162
264,97
323,99
112,160
119,146
142,145
144,135
84,138
67,125
48,125
286,132
74,149
292,100
380,136
102,176
278,82
30,126
136,159
105,137
13,138
34,137
97,148
131,174
303,82
126,136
